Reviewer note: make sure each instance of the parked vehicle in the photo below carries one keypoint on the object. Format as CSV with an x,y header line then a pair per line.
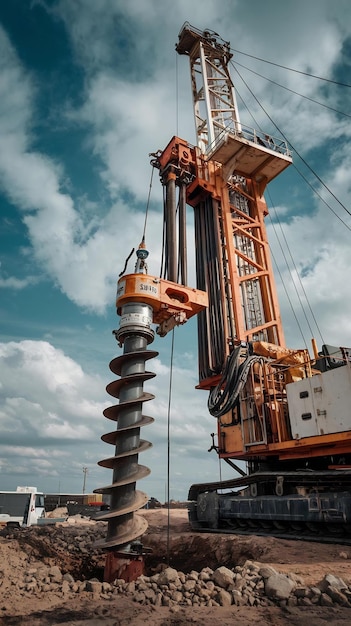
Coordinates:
x,y
23,507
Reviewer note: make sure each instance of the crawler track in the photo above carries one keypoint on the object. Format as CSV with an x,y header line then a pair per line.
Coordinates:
x,y
272,505
321,535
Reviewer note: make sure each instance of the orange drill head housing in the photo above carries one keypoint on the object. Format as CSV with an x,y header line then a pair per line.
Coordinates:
x,y
168,300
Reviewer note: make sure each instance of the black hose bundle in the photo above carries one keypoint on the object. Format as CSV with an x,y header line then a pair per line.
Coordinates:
x,y
225,395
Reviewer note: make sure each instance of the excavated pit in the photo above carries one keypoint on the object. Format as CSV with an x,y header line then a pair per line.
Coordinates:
x,y
72,547
193,551
173,542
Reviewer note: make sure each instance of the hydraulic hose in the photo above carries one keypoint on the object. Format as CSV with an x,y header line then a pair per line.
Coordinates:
x,y
225,395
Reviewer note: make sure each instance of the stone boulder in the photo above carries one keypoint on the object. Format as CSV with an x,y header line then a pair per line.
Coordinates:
x,y
223,577
279,586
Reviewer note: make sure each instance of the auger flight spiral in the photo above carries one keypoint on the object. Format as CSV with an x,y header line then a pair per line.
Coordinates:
x,y
124,526
142,300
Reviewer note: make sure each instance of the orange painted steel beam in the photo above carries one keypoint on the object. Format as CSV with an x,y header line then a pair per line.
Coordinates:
x,y
165,297
297,448
261,261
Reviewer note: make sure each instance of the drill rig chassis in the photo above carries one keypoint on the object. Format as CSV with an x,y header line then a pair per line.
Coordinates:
x,y
322,514
301,486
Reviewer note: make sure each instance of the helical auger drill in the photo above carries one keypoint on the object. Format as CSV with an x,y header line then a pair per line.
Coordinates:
x,y
141,301
124,527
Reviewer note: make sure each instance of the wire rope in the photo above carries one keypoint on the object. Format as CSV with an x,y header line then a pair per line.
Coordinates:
x,y
292,147
148,204
257,125
321,197
289,300
169,445
297,273
291,90
177,95
291,69
163,264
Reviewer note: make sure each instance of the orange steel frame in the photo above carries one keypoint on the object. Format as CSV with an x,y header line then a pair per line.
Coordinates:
x,y
208,181
253,229
308,447
233,437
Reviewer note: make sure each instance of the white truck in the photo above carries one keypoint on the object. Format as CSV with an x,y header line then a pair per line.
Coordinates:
x,y
23,507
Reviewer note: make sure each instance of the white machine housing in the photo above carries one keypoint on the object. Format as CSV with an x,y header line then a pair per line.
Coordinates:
x,y
320,405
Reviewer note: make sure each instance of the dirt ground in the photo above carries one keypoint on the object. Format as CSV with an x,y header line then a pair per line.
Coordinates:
x,y
185,550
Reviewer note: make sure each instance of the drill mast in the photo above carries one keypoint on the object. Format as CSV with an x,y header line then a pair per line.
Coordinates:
x,y
225,176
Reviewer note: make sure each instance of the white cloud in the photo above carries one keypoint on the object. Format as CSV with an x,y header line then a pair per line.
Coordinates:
x,y
47,392
65,430
131,104
11,282
51,421
83,267
125,120
130,115
50,416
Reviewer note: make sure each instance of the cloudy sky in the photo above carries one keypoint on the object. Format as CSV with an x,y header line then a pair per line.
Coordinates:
x,y
87,90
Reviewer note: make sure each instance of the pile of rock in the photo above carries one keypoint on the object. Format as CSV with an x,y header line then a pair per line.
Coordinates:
x,y
253,584
70,547
76,536
43,579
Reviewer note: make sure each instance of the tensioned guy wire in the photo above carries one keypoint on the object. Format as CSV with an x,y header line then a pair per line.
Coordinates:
x,y
292,147
296,93
148,204
169,444
291,69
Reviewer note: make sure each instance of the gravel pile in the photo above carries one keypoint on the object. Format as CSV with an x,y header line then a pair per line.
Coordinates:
x,y
253,584
73,561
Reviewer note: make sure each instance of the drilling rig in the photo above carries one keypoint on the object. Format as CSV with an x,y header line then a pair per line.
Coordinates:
x,y
282,413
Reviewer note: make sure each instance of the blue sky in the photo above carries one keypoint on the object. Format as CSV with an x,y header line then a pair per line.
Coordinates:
x,y
87,90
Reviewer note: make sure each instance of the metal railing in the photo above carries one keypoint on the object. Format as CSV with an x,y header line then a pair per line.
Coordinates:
x,y
250,134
